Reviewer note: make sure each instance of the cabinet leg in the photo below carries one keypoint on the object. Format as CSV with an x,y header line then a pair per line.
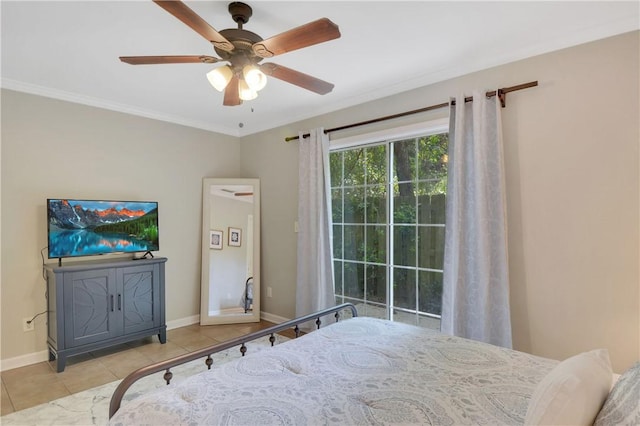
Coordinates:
x,y
60,363
163,335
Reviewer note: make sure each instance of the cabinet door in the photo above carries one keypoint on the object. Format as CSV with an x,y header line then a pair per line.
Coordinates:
x,y
89,307
140,297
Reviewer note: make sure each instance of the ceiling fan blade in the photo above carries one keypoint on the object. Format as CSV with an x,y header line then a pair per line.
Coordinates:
x,y
195,22
296,77
150,60
231,94
303,36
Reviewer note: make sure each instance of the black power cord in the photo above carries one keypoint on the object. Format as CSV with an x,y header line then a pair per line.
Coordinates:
x,y
46,293
36,316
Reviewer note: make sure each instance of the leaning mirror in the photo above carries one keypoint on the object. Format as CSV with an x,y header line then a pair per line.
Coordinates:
x,y
230,287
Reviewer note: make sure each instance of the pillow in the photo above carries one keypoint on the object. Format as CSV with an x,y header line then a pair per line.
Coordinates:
x,y
622,406
573,392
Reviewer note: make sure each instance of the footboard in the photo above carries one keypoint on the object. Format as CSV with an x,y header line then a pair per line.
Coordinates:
x,y
166,365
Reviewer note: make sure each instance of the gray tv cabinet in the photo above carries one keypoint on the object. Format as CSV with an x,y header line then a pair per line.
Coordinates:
x,y
97,304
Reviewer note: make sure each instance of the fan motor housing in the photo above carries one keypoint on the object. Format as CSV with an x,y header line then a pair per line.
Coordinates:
x,y
242,41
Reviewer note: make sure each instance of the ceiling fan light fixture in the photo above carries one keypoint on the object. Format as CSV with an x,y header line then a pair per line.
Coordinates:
x,y
255,78
220,77
245,92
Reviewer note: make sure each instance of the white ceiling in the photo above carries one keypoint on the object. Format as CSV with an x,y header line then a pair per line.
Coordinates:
x,y
69,50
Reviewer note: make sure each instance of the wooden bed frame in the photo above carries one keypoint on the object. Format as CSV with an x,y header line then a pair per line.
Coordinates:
x,y
118,394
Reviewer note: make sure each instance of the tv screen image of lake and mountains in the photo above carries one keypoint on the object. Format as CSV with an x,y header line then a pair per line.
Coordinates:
x,y
90,227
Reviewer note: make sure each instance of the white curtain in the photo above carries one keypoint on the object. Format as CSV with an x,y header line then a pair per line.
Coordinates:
x,y
314,289
476,284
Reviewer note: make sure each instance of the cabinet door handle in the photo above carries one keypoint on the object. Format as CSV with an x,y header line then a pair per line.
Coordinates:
x,y
112,303
119,302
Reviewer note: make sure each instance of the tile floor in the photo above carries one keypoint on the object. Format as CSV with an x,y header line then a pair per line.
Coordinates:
x,y
35,384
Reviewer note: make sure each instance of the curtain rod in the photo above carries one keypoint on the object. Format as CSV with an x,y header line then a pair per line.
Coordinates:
x,y
500,92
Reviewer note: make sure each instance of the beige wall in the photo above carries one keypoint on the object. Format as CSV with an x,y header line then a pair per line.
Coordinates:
x,y
57,149
572,181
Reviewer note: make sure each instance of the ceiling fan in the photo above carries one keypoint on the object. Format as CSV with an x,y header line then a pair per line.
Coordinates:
x,y
244,50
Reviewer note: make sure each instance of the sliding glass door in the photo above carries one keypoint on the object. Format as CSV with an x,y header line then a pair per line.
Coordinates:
x,y
388,204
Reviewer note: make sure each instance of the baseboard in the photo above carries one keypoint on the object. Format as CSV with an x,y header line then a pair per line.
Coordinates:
x,y
183,322
23,360
273,318
41,356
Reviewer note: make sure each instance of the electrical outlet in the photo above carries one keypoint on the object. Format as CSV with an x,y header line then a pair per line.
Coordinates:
x,y
269,292
26,326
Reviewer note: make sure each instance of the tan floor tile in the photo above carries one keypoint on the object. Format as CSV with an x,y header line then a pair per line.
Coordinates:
x,y
142,342
6,406
193,327
122,363
72,360
160,352
179,334
86,375
212,330
223,334
31,377
196,342
111,350
25,398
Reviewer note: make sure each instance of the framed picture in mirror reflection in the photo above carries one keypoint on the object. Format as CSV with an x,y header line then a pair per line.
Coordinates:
x,y
215,240
235,237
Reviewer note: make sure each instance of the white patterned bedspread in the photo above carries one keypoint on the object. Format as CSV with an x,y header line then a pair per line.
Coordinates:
x,y
358,371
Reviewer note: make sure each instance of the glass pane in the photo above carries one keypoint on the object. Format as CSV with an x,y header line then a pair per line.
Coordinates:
x,y
404,245
354,242
430,247
377,204
431,208
438,204
335,168
429,322
405,317
404,161
404,288
337,277
337,242
376,249
354,280
354,205
430,292
404,204
336,205
432,156
432,187
377,165
376,283
374,310
354,167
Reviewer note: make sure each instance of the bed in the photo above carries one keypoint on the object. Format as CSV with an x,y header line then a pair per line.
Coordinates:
x,y
369,371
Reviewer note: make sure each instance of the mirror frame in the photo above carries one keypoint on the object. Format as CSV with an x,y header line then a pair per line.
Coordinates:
x,y
254,316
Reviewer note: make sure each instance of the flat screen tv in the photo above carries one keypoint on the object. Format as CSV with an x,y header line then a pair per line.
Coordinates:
x,y
92,227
